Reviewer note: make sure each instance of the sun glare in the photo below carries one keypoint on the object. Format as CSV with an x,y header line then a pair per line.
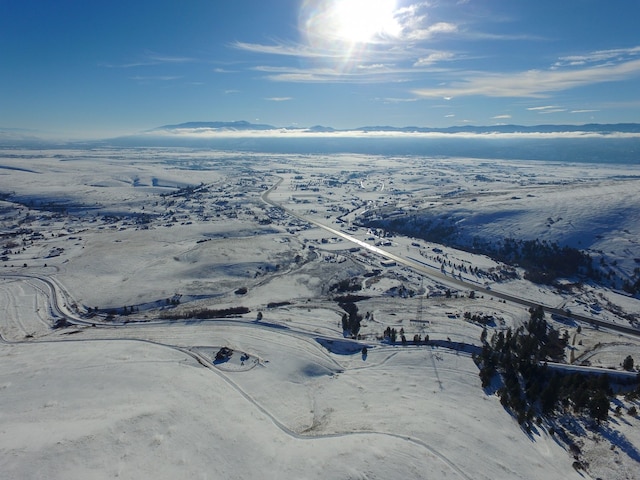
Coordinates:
x,y
328,23
360,21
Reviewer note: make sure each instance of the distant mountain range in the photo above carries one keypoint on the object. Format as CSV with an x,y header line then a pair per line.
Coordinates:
x,y
598,143
194,130
247,126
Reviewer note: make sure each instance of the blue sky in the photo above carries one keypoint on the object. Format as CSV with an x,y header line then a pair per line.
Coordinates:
x,y
96,68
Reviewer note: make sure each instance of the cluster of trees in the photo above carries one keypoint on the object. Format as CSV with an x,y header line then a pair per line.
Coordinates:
x,y
632,285
346,285
129,310
627,364
186,191
391,335
60,322
543,261
278,304
479,317
528,385
203,313
436,230
351,320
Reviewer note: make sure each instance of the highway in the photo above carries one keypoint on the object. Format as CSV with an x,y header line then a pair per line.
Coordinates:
x,y
435,274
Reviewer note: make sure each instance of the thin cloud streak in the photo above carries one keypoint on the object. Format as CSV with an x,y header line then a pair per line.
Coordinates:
x,y
532,83
398,100
128,65
432,30
171,59
151,78
374,53
546,107
552,110
598,56
434,57
289,50
325,75
151,60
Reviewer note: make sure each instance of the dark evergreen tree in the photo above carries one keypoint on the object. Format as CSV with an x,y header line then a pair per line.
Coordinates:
x,y
483,336
599,406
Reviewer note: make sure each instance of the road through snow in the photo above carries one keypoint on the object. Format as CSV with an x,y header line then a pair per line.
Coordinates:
x,y
51,293
442,277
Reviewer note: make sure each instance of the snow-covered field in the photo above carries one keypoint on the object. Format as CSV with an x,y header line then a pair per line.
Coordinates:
x,y
121,242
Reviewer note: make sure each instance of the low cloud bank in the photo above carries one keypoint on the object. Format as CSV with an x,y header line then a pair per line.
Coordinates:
x,y
283,133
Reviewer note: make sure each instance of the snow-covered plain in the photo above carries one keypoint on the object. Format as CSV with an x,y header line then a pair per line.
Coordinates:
x,y
163,232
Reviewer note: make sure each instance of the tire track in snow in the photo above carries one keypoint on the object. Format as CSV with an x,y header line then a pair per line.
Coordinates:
x,y
202,360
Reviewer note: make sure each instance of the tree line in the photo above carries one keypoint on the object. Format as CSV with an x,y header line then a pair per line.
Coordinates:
x,y
514,363
204,313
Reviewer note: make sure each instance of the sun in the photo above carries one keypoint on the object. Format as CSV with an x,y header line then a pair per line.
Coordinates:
x,y
342,34
362,21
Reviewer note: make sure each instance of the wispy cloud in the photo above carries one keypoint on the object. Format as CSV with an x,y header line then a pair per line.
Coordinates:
x,y
599,56
545,107
552,110
589,110
151,59
398,100
337,54
374,67
504,37
415,25
501,117
432,58
531,83
128,64
151,78
431,30
170,59
279,99
325,74
286,49
346,72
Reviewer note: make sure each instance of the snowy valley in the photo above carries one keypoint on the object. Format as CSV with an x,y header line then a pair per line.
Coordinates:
x,y
194,313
